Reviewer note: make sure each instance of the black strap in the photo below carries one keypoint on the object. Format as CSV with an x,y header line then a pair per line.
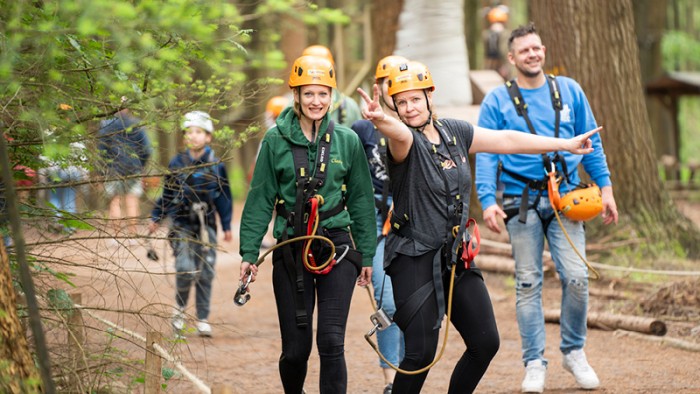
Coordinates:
x,y
307,184
406,311
382,205
521,108
456,206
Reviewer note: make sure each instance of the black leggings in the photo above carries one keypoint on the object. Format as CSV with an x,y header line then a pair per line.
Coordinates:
x,y
334,293
472,316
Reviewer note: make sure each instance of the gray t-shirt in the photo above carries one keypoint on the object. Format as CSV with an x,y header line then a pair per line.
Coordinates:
x,y
425,185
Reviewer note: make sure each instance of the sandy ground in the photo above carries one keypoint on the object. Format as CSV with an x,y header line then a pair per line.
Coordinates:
x,y
244,350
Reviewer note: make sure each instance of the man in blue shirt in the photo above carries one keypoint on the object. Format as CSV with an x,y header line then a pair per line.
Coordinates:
x,y
523,177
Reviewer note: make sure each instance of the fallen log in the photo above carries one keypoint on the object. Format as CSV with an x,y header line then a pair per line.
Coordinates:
x,y
606,293
491,263
610,321
673,342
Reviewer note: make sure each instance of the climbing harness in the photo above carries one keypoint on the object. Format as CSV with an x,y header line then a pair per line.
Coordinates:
x,y
242,296
383,208
579,204
382,321
305,221
469,245
522,109
198,195
200,210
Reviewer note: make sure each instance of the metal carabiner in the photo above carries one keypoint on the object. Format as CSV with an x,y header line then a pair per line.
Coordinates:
x,y
242,295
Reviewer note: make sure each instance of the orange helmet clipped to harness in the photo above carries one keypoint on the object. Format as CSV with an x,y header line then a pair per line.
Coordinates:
x,y
275,105
409,76
385,65
312,70
582,204
318,51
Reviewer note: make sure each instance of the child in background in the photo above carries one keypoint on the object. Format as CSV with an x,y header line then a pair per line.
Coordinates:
x,y
196,188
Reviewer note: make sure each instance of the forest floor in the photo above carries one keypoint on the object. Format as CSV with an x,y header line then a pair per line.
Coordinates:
x,y
121,285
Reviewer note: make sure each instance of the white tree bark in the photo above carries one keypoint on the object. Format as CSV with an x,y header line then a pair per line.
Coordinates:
x,y
432,32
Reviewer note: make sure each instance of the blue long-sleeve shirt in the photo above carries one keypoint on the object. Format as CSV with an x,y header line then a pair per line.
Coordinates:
x,y
195,180
498,112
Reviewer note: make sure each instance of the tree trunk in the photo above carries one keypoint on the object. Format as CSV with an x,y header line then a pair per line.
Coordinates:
x,y
435,37
473,26
593,41
16,363
650,23
385,24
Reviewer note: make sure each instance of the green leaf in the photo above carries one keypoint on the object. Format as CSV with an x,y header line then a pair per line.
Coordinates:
x,y
60,300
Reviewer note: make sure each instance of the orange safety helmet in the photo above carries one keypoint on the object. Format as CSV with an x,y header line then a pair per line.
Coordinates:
x,y
409,76
385,65
312,70
582,204
276,104
497,14
319,51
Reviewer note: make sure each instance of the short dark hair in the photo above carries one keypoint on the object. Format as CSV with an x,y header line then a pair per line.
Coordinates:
x,y
521,31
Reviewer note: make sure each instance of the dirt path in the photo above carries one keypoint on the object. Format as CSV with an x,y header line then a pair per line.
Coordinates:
x,y
244,350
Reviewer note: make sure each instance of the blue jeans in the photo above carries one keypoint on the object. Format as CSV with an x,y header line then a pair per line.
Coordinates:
x,y
193,266
390,340
528,244
63,197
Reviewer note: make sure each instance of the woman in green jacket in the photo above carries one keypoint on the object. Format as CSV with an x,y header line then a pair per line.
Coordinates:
x,y
295,174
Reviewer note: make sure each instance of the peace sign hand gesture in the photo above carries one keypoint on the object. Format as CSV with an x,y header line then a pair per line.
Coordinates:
x,y
372,110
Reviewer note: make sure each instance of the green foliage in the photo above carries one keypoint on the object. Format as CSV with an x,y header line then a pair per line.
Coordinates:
x,y
61,301
689,119
165,57
680,49
167,373
66,64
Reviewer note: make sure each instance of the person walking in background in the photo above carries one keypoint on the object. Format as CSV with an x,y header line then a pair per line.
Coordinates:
x,y
273,109
389,340
125,149
63,196
195,189
314,174
554,107
427,250
494,40
344,110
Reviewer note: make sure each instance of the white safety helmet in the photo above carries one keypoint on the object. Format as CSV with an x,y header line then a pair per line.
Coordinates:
x,y
198,119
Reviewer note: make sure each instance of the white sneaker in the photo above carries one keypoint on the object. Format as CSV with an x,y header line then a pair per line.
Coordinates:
x,y
575,362
535,372
178,321
203,328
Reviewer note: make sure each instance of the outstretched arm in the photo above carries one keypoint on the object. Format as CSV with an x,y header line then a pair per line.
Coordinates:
x,y
511,141
400,137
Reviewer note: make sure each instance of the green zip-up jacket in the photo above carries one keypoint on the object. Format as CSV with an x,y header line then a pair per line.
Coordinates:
x,y
274,178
